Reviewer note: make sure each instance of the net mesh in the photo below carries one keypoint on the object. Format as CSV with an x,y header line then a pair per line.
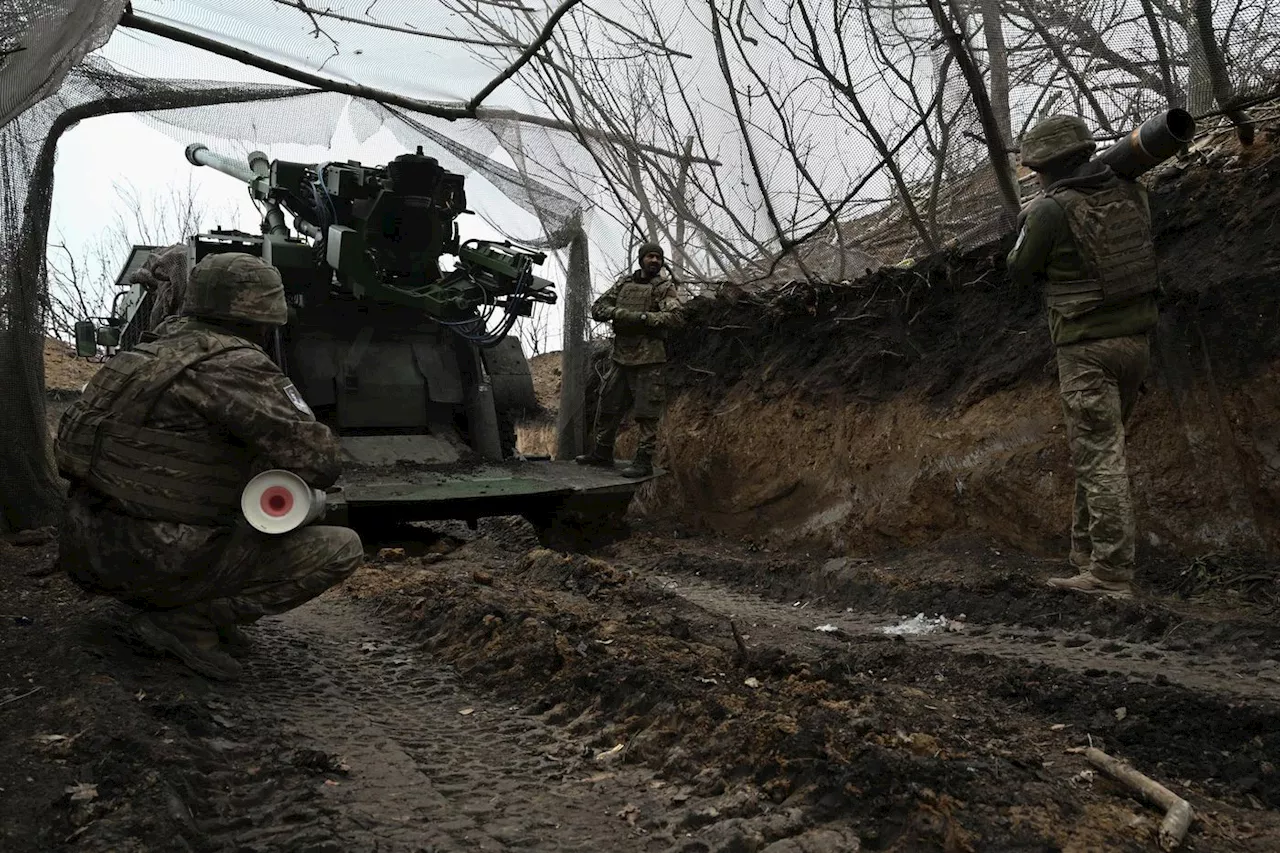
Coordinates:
x,y
760,142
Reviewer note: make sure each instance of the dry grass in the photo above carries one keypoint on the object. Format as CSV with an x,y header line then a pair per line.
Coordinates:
x,y
63,371
537,438
546,379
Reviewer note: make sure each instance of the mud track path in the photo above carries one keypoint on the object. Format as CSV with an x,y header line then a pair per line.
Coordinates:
x,y
1072,651
432,766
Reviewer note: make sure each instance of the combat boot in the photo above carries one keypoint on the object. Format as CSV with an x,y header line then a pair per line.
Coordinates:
x,y
641,466
1090,584
600,456
195,645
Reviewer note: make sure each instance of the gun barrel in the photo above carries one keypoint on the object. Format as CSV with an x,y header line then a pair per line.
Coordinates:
x,y
199,155
1156,140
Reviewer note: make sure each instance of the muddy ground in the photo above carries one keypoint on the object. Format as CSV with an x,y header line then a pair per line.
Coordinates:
x,y
843,459
470,691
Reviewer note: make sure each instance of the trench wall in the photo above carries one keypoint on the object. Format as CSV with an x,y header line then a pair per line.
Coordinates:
x,y
923,402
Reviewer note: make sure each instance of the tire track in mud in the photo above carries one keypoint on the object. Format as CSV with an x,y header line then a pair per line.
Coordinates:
x,y
1209,720
1077,652
431,765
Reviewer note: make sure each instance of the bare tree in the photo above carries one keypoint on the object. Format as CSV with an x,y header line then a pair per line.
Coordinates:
x,y
80,285
82,279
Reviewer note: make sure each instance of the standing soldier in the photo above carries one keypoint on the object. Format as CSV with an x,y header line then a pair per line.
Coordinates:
x,y
157,452
642,305
1088,239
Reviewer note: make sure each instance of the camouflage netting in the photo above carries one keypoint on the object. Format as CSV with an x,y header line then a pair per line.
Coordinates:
x,y
759,141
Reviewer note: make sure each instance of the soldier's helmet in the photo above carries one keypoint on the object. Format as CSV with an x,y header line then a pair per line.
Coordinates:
x,y
1055,139
238,287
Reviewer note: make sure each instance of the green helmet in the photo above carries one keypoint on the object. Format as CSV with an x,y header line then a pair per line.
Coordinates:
x,y
1054,139
236,286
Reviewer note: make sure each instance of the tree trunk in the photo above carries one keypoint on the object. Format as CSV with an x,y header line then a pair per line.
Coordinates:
x,y
571,422
1199,83
997,151
998,64
679,257
1173,97
1216,69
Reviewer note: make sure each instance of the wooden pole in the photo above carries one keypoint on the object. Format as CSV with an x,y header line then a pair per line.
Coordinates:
x,y
571,420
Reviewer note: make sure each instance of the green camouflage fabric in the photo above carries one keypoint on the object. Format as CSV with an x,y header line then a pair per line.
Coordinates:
x,y
191,415
105,443
241,405
237,287
1099,382
1111,228
216,576
1055,139
164,275
640,389
640,341
1046,254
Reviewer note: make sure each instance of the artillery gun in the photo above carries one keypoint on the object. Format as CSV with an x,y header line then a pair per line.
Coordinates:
x,y
411,364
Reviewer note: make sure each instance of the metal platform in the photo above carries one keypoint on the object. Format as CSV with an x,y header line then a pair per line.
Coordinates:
x,y
404,493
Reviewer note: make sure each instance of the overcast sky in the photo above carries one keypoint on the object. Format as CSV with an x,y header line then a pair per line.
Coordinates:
x,y
100,153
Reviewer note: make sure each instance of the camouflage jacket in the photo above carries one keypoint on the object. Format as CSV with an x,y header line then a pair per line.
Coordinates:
x,y
1046,254
164,275
200,435
641,311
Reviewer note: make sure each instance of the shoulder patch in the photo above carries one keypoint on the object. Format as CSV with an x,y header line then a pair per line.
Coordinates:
x,y
1021,236
295,396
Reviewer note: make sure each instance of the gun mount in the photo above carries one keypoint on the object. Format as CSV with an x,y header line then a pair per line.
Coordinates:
x,y
410,363
381,232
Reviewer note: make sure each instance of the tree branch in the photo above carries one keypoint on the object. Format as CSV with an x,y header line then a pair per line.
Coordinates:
x,y
999,158
337,16
439,109
548,29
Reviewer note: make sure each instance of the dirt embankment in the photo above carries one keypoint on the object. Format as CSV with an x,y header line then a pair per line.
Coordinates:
x,y
921,402
64,375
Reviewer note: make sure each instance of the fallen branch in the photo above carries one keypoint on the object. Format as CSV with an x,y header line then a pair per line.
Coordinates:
x,y
1177,811
21,696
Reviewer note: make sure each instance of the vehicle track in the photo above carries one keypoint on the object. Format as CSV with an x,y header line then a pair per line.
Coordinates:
x,y
432,767
1072,651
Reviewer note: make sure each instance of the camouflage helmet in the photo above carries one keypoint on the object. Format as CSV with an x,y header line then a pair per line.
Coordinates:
x,y
1054,139
236,286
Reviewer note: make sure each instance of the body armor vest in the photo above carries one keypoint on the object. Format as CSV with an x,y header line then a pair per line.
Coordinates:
x,y
1112,233
636,296
638,346
194,477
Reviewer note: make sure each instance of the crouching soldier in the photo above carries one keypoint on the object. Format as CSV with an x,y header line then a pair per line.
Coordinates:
x,y
157,452
642,306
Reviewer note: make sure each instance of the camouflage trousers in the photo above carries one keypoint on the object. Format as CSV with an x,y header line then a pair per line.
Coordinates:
x,y
224,576
640,389
1099,382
